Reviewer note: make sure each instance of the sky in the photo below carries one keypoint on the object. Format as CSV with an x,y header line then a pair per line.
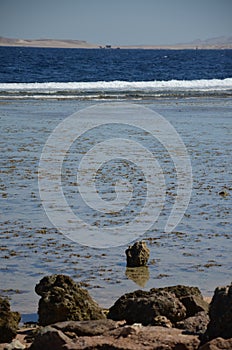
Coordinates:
x,y
117,22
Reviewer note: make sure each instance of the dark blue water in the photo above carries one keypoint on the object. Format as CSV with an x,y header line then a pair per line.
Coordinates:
x,y
28,65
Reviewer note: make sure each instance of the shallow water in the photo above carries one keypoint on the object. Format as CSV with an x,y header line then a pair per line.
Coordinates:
x,y
198,252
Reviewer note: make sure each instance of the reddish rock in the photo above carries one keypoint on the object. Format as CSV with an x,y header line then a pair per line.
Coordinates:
x,y
217,344
115,337
50,339
87,328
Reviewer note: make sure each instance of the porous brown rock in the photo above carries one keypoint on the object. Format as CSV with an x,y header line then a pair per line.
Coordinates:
x,y
144,306
176,303
8,321
217,344
62,300
195,324
137,255
191,297
220,313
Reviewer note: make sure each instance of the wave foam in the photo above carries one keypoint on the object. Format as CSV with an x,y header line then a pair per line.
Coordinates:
x,y
103,88
122,85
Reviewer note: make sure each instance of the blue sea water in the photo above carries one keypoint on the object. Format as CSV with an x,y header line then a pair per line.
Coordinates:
x,y
39,88
29,65
120,74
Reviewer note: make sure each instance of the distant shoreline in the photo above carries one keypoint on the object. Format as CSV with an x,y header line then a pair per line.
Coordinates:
x,y
78,44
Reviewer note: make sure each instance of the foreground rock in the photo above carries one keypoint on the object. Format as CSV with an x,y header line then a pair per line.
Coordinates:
x,y
15,345
143,307
176,303
220,313
8,322
62,300
190,297
195,324
217,344
137,255
112,336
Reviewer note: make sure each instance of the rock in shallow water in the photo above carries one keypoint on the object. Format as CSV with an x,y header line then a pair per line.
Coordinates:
x,y
137,255
62,300
8,321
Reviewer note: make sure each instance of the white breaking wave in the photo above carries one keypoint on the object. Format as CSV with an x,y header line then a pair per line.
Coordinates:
x,y
203,84
116,89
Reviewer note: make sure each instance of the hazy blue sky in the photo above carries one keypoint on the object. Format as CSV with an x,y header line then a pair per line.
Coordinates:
x,y
116,21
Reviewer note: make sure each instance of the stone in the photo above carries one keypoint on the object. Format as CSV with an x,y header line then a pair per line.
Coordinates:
x,y
194,304
182,290
15,345
220,313
62,300
223,193
162,321
144,306
8,321
137,255
217,344
191,297
86,328
127,331
50,339
195,324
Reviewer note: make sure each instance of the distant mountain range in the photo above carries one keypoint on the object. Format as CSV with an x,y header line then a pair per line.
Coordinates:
x,y
45,43
221,42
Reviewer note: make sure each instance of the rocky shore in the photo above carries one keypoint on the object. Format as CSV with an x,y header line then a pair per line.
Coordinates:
x,y
175,317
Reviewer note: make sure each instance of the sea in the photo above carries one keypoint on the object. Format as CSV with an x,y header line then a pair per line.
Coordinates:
x,y
188,90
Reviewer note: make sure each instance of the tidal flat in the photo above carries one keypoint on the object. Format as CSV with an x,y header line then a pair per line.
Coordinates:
x,y
197,252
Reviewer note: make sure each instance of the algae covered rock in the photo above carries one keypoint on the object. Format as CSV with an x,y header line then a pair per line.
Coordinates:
x,y
137,255
195,324
175,303
63,300
8,321
191,297
220,314
144,307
